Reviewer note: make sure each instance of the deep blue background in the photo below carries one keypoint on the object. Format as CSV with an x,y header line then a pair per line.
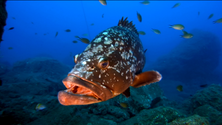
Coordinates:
x,y
52,16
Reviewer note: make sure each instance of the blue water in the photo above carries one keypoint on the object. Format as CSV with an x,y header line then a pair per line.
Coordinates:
x,y
36,23
48,17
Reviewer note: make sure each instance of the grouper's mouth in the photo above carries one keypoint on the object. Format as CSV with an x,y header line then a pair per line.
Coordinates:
x,y
81,92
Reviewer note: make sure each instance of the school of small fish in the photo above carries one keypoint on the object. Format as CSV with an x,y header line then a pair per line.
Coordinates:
x,y
185,34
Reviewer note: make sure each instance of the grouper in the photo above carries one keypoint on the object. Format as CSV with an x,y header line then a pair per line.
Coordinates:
x,y
110,64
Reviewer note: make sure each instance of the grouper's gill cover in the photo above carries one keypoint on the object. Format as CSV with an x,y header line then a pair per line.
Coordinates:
x,y
110,64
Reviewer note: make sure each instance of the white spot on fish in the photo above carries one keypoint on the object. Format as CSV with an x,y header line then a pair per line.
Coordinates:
x,y
100,48
105,33
121,43
116,44
97,40
103,86
120,48
84,62
107,41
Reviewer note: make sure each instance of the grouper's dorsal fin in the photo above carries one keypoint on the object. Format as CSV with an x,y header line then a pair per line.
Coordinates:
x,y
128,25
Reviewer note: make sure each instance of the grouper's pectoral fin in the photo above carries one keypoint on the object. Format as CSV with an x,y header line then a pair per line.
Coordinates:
x,y
126,92
146,78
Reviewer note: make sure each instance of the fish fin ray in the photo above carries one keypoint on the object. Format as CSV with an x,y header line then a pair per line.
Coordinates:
x,y
129,25
146,78
126,93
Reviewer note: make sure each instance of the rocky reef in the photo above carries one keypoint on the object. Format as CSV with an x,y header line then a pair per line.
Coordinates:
x,y
37,80
192,60
3,17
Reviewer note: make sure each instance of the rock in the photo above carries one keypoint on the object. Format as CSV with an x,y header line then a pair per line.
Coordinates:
x,y
218,121
160,115
140,99
3,68
192,120
192,59
41,68
208,112
3,17
211,95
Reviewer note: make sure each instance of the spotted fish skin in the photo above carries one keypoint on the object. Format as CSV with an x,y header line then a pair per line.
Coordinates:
x,y
124,57
124,51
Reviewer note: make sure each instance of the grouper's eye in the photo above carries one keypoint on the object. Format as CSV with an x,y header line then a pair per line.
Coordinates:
x,y
75,58
103,63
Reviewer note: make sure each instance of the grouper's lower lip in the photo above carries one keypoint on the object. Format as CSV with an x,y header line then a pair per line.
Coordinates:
x,y
79,92
66,98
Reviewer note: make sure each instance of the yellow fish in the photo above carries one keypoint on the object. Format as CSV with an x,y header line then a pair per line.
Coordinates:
x,y
145,2
103,2
124,105
156,31
84,40
186,35
142,33
40,106
177,26
180,88
56,34
218,21
68,30
85,34
211,15
74,41
176,5
139,17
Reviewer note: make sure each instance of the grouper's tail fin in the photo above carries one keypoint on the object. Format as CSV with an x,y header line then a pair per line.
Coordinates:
x,y
128,25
